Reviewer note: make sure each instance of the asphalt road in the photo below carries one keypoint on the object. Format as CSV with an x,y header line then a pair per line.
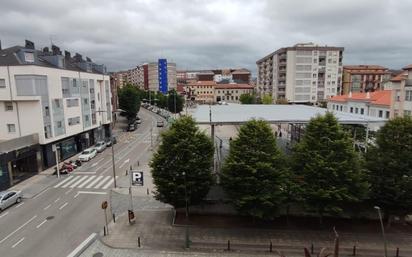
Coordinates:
x,y
57,220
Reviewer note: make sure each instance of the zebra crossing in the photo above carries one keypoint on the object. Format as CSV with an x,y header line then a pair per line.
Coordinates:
x,y
86,181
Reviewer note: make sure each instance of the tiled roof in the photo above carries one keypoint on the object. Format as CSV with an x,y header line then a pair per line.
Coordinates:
x,y
401,76
409,67
203,83
234,86
364,67
382,97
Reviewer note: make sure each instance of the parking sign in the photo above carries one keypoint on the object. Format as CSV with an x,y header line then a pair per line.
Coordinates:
x,y
137,178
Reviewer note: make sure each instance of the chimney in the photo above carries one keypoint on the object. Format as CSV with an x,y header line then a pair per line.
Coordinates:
x,y
67,54
88,59
0,45
368,95
45,49
78,57
56,50
350,94
29,44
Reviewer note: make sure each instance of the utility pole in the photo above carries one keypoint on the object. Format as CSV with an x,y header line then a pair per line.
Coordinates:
x,y
56,148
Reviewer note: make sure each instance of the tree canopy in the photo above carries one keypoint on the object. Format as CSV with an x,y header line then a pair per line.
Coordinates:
x,y
328,166
175,102
267,99
129,100
182,162
247,98
253,174
389,164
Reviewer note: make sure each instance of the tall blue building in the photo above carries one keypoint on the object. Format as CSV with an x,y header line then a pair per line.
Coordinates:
x,y
162,66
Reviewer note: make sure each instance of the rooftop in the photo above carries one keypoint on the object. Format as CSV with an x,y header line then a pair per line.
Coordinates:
x,y
382,97
234,86
236,114
364,67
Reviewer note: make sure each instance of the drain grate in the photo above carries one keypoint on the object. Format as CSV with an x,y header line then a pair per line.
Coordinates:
x,y
98,254
50,218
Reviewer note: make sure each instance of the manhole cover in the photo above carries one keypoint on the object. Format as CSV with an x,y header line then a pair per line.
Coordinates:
x,y
50,218
98,255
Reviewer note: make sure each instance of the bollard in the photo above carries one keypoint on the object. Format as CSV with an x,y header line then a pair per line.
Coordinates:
x,y
270,247
104,230
312,249
138,241
114,218
397,251
147,190
228,245
354,251
127,172
138,163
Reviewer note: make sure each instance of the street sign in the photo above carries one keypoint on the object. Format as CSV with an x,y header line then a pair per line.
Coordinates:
x,y
137,178
104,205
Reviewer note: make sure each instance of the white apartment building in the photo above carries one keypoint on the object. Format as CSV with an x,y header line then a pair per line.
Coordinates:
x,y
304,73
63,100
402,93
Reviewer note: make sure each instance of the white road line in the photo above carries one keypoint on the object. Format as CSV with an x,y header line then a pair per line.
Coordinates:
x,y
70,182
47,207
126,161
79,181
62,182
4,214
68,191
84,172
44,191
87,181
102,182
64,205
82,245
57,200
20,204
12,233
44,221
92,193
108,184
18,242
94,181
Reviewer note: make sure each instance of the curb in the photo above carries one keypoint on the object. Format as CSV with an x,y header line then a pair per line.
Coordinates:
x,y
83,246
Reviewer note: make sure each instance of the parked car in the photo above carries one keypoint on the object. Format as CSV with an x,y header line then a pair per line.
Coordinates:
x,y
8,198
110,141
100,146
132,127
87,154
160,123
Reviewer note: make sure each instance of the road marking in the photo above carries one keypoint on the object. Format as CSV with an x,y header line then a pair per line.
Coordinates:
x,y
84,172
89,193
68,191
109,183
4,214
44,191
82,246
64,205
102,182
20,204
126,161
57,200
94,181
44,221
79,181
64,181
70,182
12,233
47,207
18,242
87,181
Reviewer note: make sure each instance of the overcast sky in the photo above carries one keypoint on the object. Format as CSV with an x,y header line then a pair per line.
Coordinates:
x,y
200,34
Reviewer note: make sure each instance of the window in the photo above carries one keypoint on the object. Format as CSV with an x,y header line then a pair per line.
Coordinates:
x,y
8,106
85,100
408,95
341,108
380,113
29,57
72,102
74,121
398,95
387,114
356,110
2,83
362,111
59,124
407,113
11,128
351,109
57,103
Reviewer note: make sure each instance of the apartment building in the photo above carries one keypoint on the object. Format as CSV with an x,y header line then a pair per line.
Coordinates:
x,y
209,92
303,73
224,76
376,104
364,78
48,99
231,92
402,93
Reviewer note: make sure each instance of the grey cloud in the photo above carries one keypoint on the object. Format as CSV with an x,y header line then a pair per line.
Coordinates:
x,y
210,33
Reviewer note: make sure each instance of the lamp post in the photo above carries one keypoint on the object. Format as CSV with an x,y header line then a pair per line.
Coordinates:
x,y
383,230
187,237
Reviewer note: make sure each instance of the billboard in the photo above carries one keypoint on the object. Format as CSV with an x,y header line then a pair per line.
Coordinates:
x,y
162,68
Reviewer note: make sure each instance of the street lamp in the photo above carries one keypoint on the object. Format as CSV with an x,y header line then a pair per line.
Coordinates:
x,y
383,230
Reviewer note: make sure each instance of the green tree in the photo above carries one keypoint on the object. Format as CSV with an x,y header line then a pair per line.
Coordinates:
x,y
389,163
129,101
183,164
247,99
254,175
282,100
175,102
267,99
329,168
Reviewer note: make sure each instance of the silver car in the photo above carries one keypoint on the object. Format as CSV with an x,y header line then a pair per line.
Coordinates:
x,y
100,146
8,198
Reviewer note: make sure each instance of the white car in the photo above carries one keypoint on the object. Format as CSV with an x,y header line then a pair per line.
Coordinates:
x,y
87,154
8,198
100,146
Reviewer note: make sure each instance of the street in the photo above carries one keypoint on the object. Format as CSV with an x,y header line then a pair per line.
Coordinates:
x,y
55,221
